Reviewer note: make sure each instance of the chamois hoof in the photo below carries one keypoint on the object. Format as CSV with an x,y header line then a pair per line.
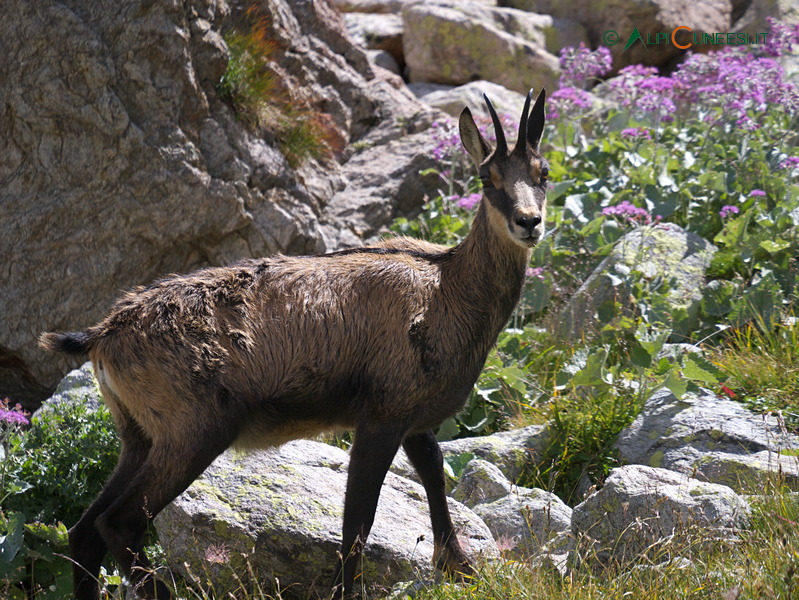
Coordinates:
x,y
456,565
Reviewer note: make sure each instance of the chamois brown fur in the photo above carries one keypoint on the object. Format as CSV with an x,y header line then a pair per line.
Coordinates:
x,y
386,340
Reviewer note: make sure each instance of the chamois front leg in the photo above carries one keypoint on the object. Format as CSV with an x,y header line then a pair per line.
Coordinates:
x,y
425,455
374,448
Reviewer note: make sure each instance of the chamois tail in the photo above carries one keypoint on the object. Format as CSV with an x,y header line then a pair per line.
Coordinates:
x,y
75,343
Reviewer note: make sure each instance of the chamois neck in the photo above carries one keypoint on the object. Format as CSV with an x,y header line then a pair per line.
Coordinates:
x,y
486,273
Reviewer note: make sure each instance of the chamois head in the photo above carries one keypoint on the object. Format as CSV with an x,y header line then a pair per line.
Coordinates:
x,y
515,181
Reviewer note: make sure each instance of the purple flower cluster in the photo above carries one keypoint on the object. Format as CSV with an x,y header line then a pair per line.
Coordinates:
x,y
12,416
781,37
468,202
629,212
757,193
741,84
792,162
568,101
641,88
578,67
728,210
582,65
537,272
636,132
447,140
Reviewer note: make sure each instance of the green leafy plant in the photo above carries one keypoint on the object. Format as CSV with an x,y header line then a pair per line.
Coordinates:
x,y
51,472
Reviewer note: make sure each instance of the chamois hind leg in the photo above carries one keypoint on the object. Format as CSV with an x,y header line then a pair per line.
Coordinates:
x,y
86,545
172,464
425,455
371,455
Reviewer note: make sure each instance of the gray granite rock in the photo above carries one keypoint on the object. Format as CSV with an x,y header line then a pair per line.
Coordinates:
x,y
642,509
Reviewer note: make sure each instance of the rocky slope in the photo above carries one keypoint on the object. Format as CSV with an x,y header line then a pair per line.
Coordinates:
x,y
687,467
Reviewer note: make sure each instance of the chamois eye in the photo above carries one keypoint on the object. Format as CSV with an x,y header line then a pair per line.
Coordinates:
x,y
544,174
486,181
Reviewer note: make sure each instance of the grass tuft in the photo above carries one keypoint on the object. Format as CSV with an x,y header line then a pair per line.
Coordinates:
x,y
763,366
264,104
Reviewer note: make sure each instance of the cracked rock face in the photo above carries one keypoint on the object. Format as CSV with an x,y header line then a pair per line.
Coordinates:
x,y
121,163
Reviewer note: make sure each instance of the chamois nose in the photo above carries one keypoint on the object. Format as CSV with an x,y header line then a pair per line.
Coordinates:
x,y
528,223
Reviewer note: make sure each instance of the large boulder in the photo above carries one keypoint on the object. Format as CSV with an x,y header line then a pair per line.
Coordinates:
x,y
371,6
481,482
650,17
79,386
455,43
643,511
522,520
525,520
282,512
121,162
666,251
713,439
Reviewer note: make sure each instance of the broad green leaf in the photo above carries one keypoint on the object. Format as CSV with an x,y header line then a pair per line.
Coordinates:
x,y
700,370
774,246
717,297
676,383
11,542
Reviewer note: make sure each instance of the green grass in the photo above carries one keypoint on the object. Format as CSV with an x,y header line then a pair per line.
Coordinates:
x,y
763,368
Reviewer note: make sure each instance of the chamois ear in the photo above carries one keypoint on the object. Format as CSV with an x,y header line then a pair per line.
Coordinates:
x,y
535,123
475,144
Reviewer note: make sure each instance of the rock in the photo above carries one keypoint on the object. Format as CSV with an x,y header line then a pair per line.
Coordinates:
x,y
377,32
711,438
524,520
508,450
383,182
480,482
283,510
649,17
122,163
371,6
668,251
642,511
384,60
459,43
750,17
422,88
77,387
452,99
554,555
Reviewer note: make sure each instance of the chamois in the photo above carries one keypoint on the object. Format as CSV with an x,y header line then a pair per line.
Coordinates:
x,y
387,340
